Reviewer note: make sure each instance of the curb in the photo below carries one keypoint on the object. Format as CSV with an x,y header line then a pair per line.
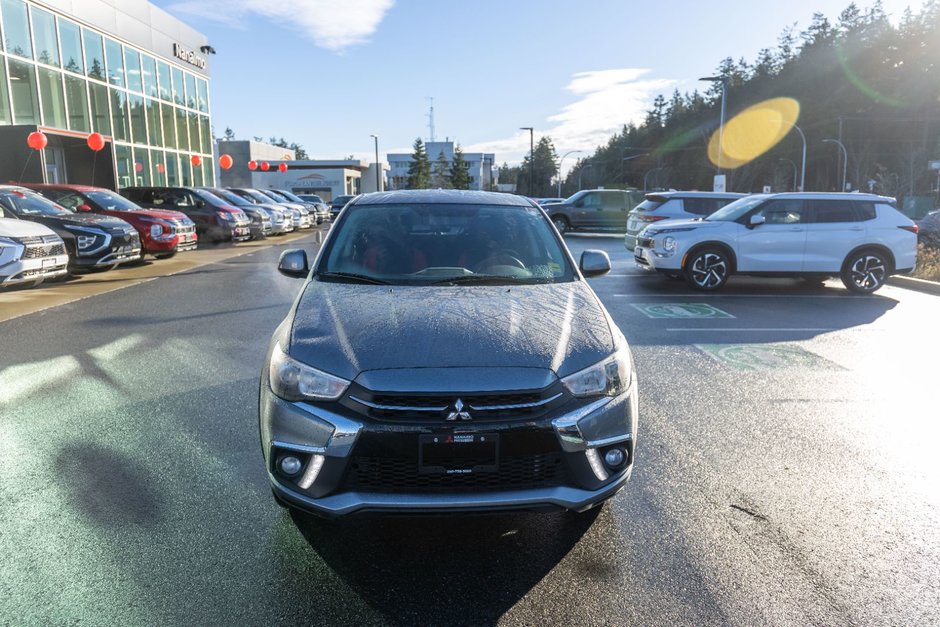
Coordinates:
x,y
919,285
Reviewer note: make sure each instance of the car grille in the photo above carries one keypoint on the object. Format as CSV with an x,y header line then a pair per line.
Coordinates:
x,y
182,227
385,474
437,407
42,246
645,242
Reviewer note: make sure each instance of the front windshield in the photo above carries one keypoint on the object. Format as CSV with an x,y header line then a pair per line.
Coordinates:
x,y
24,203
112,201
210,197
574,197
437,243
231,197
278,197
258,197
736,209
290,196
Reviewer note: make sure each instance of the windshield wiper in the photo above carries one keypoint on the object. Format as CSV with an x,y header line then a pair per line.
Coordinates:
x,y
492,279
352,277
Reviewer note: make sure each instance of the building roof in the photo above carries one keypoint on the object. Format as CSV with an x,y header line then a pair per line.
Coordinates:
x,y
451,196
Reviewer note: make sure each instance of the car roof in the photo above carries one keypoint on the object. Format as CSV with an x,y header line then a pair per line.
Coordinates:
x,y
678,194
67,186
442,196
830,196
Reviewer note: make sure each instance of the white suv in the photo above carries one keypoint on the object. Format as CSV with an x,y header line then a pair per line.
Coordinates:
x,y
29,252
861,238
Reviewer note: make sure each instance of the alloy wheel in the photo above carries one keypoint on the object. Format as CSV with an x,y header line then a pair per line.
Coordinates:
x,y
709,270
868,273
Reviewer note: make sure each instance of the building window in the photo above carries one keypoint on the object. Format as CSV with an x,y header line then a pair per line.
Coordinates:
x,y
171,171
178,96
149,74
119,115
100,117
124,163
76,98
142,167
94,55
53,98
71,36
169,126
182,133
4,94
115,59
138,122
166,88
194,144
158,161
190,91
23,88
206,134
44,37
154,121
16,29
132,66
203,95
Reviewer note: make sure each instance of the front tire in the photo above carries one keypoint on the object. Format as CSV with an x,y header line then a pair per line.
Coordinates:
x,y
707,269
865,271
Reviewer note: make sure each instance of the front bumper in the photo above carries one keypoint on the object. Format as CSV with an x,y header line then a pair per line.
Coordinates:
x,y
332,444
650,258
33,270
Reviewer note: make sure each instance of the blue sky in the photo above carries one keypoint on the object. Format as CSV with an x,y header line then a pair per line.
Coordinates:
x,y
328,73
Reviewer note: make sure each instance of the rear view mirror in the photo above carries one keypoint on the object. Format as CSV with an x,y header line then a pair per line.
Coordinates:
x,y
293,263
594,263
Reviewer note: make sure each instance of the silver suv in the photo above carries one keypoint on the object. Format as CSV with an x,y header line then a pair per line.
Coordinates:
x,y
673,206
593,208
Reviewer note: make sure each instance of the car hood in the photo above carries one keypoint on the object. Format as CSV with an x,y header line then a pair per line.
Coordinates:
x,y
685,224
348,329
85,219
155,214
12,227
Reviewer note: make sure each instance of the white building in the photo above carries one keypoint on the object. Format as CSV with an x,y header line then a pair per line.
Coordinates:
x,y
480,165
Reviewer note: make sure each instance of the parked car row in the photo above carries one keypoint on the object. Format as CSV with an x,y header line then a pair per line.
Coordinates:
x,y
48,231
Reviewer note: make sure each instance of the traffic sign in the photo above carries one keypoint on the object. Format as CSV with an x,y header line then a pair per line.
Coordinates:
x,y
933,165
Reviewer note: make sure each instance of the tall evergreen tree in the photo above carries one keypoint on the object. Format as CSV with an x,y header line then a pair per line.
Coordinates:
x,y
440,173
419,171
459,171
544,168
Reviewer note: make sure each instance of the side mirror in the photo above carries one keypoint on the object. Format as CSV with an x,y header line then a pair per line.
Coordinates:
x,y
83,208
594,263
579,202
200,203
756,220
293,263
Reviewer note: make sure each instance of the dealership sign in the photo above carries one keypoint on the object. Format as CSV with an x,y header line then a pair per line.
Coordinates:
x,y
189,56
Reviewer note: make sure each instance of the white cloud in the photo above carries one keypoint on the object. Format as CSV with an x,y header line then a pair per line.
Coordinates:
x,y
608,99
331,24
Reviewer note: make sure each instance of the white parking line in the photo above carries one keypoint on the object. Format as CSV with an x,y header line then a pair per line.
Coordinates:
x,y
765,329
706,295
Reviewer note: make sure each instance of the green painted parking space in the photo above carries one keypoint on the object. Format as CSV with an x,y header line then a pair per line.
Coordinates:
x,y
766,357
684,311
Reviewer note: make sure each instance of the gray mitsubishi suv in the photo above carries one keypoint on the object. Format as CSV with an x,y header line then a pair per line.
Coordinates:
x,y
445,354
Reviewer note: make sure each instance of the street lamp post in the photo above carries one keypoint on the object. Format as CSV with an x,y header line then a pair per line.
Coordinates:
x,y
531,154
721,123
581,173
845,159
378,179
559,167
803,167
791,162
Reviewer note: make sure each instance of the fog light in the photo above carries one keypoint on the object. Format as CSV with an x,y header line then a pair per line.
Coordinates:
x,y
290,465
614,457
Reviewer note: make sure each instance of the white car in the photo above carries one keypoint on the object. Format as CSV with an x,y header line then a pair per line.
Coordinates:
x,y
862,238
29,252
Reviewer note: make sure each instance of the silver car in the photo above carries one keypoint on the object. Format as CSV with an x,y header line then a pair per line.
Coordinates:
x,y
446,354
673,206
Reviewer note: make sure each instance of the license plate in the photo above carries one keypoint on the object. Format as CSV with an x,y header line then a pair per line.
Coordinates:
x,y
125,250
48,263
458,453
638,252
631,226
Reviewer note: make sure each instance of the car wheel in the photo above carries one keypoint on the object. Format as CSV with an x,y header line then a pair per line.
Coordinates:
x,y
865,271
561,223
707,269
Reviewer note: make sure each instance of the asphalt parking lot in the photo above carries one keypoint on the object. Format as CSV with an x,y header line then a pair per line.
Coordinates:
x,y
786,471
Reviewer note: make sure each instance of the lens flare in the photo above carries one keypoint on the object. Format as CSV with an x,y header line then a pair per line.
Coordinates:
x,y
753,132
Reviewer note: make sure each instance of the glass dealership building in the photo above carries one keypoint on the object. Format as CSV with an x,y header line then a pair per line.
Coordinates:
x,y
123,68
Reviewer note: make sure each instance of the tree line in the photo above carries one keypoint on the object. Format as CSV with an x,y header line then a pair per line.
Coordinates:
x,y
422,174
860,79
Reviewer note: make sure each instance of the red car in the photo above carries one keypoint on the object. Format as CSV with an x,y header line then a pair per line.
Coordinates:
x,y
163,232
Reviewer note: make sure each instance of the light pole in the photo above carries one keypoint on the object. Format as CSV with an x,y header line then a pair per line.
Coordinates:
x,y
803,168
531,154
581,173
721,124
570,152
845,158
378,179
646,177
791,162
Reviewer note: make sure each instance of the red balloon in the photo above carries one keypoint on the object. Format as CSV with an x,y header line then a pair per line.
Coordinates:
x,y
282,167
265,166
160,168
252,165
95,141
225,162
196,160
37,140
139,167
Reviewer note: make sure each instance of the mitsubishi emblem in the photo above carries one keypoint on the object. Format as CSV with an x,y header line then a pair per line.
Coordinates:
x,y
459,412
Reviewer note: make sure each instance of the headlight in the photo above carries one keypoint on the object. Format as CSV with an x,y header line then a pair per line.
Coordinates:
x,y
294,381
669,244
85,241
156,230
226,217
610,377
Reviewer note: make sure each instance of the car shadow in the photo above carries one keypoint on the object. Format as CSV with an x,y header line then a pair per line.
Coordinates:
x,y
444,570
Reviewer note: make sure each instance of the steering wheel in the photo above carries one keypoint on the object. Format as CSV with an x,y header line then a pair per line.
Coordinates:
x,y
501,258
